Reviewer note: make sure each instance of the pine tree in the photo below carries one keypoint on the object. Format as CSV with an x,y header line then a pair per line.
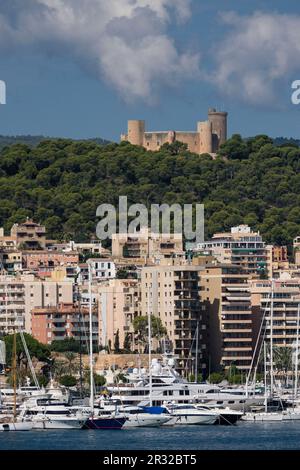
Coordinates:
x,y
117,342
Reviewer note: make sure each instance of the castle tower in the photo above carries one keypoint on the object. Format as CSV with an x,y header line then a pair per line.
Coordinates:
x,y
136,131
218,120
205,136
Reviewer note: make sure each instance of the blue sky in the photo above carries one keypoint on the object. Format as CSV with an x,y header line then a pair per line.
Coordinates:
x,y
81,68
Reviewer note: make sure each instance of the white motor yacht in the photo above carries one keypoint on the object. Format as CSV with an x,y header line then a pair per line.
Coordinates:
x,y
168,385
135,416
227,416
46,414
190,414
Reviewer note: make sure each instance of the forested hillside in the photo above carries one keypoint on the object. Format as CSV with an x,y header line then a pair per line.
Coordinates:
x,y
60,183
34,140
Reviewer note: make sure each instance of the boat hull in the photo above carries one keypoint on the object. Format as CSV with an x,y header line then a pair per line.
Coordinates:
x,y
146,421
57,424
104,423
291,415
194,419
16,427
228,419
262,417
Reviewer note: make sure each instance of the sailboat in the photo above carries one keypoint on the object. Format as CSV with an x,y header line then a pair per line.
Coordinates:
x,y
269,416
293,413
15,425
95,420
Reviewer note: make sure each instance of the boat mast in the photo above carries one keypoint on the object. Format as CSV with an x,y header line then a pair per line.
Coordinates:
x,y
91,340
80,342
14,365
265,377
196,359
271,340
149,348
297,353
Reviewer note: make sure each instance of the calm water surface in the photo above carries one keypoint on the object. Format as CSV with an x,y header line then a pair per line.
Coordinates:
x,y
252,436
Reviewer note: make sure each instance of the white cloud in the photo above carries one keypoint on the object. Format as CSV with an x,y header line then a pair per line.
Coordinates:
x,y
259,53
124,41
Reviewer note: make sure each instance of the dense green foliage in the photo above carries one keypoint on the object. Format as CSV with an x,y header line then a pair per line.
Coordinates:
x,y
140,326
36,349
68,380
99,380
66,345
34,140
60,183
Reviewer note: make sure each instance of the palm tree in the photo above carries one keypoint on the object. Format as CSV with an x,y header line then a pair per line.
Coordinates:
x,y
58,367
283,359
72,362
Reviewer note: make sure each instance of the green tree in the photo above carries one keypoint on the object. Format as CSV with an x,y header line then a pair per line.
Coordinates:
x,y
67,344
121,378
117,342
174,148
283,359
191,378
127,343
71,360
99,380
36,349
68,380
216,377
140,325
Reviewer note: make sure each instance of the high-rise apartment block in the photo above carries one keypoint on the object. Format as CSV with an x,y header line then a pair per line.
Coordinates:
x,y
226,293
20,294
171,291
118,303
286,299
240,247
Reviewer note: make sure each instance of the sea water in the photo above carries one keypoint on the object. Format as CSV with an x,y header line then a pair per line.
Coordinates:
x,y
253,436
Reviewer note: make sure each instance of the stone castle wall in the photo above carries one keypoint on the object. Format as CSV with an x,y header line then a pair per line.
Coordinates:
x,y
207,138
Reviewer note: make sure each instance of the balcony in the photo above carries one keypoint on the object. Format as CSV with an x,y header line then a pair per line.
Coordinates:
x,y
237,339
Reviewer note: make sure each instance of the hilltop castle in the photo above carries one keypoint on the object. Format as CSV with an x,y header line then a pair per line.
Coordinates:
x,y
207,138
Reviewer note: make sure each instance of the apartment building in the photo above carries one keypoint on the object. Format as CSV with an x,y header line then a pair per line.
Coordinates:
x,y
7,242
296,249
144,244
20,294
171,291
12,304
29,233
46,293
225,291
277,260
102,269
119,304
45,260
240,247
286,299
66,320
11,260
